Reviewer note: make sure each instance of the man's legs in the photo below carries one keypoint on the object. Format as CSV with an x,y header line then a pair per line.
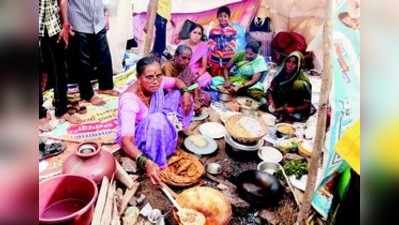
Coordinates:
x,y
103,61
160,35
53,54
83,43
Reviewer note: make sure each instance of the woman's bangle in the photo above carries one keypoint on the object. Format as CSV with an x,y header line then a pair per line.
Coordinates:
x,y
190,88
142,161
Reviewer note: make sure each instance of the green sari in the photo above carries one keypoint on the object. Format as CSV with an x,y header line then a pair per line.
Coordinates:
x,y
243,72
293,91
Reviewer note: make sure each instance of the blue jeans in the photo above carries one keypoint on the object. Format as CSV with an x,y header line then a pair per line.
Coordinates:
x,y
160,35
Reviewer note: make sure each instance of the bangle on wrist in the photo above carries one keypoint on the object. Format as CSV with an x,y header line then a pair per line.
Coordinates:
x,y
142,161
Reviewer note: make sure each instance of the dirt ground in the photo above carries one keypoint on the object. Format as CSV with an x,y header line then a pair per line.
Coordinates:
x,y
233,164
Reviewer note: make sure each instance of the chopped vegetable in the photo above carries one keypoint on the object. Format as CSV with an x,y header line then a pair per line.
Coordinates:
x,y
297,167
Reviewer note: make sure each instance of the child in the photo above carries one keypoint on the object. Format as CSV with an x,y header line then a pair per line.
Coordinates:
x,y
222,43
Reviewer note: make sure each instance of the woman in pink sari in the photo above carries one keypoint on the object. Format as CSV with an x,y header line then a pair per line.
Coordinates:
x,y
199,58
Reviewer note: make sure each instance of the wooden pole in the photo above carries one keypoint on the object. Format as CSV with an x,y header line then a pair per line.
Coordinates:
x,y
315,161
151,14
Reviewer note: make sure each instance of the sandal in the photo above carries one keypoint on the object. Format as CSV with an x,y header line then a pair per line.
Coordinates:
x,y
82,110
73,119
50,150
96,100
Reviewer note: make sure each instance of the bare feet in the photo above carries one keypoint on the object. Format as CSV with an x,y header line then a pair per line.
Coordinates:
x,y
71,118
96,100
44,123
108,92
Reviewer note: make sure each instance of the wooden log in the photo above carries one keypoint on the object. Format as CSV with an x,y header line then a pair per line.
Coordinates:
x,y
128,164
314,164
107,213
130,192
102,196
116,220
151,15
123,176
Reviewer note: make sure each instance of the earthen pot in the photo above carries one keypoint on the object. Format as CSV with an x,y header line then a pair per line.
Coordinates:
x,y
90,161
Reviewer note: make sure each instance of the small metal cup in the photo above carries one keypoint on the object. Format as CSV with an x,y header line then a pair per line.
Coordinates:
x,y
214,168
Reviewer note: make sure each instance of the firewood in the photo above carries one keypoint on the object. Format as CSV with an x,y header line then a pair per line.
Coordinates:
x,y
102,196
128,196
119,197
128,165
116,220
107,213
123,176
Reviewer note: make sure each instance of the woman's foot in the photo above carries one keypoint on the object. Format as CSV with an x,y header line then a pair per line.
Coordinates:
x,y
71,118
44,123
96,100
108,92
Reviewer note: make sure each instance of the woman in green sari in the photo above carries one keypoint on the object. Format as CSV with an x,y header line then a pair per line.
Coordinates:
x,y
246,69
290,93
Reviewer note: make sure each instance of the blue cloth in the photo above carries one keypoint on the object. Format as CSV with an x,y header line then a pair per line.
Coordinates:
x,y
87,16
160,35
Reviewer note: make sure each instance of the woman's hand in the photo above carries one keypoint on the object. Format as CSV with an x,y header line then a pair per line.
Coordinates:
x,y
187,102
197,106
153,172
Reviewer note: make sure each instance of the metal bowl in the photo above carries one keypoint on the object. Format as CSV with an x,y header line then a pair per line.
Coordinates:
x,y
214,168
268,167
236,146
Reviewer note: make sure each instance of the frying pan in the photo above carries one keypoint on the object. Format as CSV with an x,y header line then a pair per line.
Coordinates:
x,y
258,188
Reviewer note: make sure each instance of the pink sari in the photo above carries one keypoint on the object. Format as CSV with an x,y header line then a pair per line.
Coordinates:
x,y
199,51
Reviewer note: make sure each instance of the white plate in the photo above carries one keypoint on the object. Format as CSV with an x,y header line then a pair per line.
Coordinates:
x,y
200,117
270,154
242,147
213,130
210,147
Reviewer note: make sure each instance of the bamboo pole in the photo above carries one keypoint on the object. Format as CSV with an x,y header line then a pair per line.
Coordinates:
x,y
151,14
315,161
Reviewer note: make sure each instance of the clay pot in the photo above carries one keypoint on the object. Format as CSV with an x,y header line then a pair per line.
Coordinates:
x,y
90,161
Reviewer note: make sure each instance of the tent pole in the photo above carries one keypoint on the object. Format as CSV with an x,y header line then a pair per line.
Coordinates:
x,y
151,14
315,161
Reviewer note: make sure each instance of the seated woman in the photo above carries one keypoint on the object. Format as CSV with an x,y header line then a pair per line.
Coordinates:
x,y
222,43
246,69
290,93
179,67
199,58
149,120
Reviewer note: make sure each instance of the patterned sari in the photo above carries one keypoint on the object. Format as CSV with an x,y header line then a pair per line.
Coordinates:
x,y
222,45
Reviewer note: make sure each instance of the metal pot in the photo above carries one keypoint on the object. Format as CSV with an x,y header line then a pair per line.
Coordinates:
x,y
90,161
258,188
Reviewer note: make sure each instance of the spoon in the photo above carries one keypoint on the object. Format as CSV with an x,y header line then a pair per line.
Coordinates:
x,y
170,197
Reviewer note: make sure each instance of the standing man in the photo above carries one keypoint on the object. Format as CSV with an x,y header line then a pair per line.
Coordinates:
x,y
88,24
163,16
52,48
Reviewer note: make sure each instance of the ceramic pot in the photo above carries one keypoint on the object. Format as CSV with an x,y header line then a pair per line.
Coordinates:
x,y
90,161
